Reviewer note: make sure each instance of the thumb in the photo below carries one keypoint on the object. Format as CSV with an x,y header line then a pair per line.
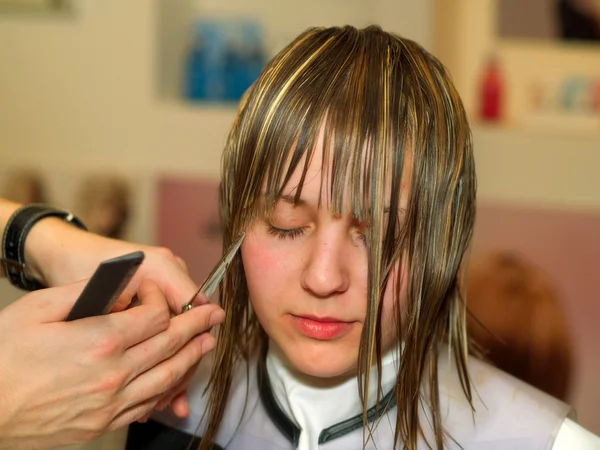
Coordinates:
x,y
51,304
123,302
180,406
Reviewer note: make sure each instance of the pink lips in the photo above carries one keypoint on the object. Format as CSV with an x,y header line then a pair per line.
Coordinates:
x,y
322,328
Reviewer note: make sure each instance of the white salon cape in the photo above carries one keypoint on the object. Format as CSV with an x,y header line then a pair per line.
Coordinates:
x,y
285,414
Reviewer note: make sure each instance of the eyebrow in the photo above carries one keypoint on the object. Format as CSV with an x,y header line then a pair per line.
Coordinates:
x,y
291,199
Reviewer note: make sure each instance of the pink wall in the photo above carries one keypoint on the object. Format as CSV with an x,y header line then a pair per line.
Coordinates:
x,y
566,244
188,222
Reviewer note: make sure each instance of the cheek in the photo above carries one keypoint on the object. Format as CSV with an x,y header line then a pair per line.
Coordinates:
x,y
257,259
267,272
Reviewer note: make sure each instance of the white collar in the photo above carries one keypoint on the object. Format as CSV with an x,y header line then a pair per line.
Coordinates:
x,y
315,408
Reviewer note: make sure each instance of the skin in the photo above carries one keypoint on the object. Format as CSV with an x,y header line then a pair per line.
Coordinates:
x,y
303,260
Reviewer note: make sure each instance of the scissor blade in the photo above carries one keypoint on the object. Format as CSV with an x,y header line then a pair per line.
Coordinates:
x,y
212,282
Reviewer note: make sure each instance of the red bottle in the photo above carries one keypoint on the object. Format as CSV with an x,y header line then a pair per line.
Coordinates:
x,y
491,92
596,97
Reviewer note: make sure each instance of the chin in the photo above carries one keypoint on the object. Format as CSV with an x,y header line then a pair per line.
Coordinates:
x,y
321,360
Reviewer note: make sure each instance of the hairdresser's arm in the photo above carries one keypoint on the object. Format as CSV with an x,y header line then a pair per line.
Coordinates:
x,y
573,436
6,210
57,253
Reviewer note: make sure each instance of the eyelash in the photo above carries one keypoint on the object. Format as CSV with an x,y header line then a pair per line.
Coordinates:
x,y
285,234
362,237
298,232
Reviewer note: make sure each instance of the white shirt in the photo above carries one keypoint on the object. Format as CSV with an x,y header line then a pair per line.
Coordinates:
x,y
314,408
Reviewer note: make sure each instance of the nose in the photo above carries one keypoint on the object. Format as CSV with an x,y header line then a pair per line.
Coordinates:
x,y
325,273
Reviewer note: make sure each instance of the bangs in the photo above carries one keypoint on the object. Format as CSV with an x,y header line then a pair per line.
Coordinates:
x,y
381,103
339,84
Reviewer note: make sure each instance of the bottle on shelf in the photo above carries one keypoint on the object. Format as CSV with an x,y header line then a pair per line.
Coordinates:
x,y
491,91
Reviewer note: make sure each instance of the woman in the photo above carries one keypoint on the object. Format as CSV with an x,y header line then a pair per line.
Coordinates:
x,y
350,168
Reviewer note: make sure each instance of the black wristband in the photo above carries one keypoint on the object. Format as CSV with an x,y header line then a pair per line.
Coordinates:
x,y
13,241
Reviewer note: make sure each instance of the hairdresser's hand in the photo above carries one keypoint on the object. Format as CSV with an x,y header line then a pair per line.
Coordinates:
x,y
68,382
58,253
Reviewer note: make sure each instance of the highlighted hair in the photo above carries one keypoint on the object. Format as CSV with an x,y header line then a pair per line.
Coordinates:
x,y
386,105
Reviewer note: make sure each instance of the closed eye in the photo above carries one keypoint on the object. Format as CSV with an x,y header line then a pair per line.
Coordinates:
x,y
282,233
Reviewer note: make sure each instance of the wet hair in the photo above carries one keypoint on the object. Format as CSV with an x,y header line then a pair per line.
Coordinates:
x,y
383,103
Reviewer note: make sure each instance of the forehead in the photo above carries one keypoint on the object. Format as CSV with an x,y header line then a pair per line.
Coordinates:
x,y
313,181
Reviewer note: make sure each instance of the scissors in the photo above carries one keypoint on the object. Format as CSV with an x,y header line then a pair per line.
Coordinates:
x,y
217,274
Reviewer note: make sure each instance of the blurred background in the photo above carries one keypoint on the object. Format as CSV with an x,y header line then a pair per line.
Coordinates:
x,y
119,111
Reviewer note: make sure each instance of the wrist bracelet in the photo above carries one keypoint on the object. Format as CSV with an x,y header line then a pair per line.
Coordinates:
x,y
13,241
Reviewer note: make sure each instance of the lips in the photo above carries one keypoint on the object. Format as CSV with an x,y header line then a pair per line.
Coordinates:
x,y
321,328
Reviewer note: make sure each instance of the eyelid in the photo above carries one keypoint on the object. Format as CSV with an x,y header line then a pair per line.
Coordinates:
x,y
286,208
284,233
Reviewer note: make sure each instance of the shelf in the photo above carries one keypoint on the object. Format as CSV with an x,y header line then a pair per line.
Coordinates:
x,y
539,131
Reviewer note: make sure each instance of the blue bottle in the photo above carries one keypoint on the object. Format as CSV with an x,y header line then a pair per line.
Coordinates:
x,y
234,71
254,57
195,74
244,59
204,73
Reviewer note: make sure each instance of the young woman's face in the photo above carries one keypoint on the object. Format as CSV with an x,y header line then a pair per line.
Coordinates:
x,y
306,271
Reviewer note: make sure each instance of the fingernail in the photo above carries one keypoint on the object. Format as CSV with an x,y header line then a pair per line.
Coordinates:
x,y
184,412
216,317
207,345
